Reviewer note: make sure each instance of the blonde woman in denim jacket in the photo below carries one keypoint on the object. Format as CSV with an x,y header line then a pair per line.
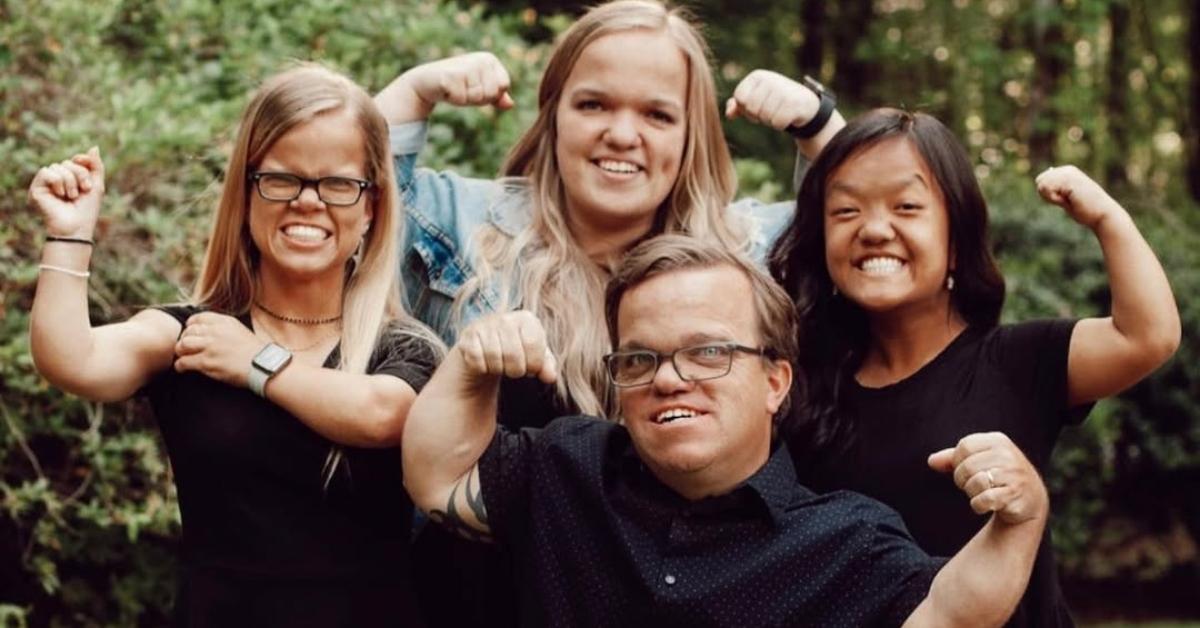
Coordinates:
x,y
627,144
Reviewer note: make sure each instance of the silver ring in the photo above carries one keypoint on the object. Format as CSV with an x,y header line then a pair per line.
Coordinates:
x,y
991,479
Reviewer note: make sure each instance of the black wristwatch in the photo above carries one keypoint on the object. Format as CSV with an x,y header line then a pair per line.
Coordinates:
x,y
824,111
267,364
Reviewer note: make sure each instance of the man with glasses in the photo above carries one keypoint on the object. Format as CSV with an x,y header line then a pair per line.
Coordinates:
x,y
687,510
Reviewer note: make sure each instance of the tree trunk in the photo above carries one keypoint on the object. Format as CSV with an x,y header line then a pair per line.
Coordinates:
x,y
1049,49
1191,124
852,23
1116,100
812,22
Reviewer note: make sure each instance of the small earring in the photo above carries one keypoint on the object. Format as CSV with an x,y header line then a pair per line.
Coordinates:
x,y
949,282
356,258
835,290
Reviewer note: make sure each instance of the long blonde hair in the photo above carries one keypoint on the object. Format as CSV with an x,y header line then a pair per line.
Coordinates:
x,y
543,269
371,299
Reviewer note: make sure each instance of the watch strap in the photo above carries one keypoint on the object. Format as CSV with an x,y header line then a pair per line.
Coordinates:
x,y
257,380
828,103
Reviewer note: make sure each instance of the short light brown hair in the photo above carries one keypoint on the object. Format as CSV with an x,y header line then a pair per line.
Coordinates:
x,y
778,329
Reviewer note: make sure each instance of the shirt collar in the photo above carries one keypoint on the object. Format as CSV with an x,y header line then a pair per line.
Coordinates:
x,y
775,483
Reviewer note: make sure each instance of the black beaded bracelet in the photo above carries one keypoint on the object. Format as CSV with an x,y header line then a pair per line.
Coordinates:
x,y
86,241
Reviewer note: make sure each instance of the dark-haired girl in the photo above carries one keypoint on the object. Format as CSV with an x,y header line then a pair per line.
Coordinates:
x,y
889,263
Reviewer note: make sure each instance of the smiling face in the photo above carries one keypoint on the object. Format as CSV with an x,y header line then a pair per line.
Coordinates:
x,y
621,128
887,232
306,239
701,438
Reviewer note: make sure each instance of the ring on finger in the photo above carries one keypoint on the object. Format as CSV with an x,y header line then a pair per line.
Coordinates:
x,y
990,478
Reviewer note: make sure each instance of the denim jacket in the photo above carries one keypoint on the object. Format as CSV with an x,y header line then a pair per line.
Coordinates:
x,y
444,210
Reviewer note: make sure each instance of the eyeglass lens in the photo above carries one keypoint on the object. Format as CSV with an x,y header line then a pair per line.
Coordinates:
x,y
691,364
331,190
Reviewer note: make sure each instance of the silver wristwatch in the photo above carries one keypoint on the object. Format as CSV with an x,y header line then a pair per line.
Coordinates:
x,y
267,364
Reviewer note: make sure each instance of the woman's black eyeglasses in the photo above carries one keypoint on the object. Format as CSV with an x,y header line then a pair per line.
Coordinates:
x,y
284,186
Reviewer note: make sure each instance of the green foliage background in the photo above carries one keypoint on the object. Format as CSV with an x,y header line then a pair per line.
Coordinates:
x,y
88,517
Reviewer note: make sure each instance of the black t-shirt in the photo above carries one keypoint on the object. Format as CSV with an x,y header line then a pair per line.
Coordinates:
x,y
1011,379
600,541
259,528
528,402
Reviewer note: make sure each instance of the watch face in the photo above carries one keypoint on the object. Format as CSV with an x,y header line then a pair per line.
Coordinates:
x,y
272,358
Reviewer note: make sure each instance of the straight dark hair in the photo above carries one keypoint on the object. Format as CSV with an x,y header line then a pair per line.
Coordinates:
x,y
833,329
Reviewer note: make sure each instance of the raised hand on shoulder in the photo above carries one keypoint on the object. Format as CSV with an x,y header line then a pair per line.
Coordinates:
x,y
217,345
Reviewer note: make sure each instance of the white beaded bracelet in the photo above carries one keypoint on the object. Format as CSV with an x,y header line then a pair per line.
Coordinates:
x,y
68,271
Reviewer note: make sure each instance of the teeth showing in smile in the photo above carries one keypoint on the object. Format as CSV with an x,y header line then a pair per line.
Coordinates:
x,y
667,416
306,233
622,167
881,265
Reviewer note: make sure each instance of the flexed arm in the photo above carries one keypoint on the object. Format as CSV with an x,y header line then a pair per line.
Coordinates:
x,y
356,409
106,363
774,100
454,418
1108,355
983,582
472,79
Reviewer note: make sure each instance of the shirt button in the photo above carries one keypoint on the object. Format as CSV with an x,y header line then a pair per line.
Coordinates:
x,y
669,579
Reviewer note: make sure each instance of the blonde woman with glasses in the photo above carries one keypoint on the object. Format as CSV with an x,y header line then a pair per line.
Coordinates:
x,y
282,388
627,144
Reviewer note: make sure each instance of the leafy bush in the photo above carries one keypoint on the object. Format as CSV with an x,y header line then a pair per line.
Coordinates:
x,y
90,518
89,510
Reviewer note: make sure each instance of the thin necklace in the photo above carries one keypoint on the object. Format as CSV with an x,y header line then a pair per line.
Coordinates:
x,y
297,349
297,321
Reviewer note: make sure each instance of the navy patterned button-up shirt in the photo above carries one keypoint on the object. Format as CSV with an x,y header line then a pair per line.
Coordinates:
x,y
599,541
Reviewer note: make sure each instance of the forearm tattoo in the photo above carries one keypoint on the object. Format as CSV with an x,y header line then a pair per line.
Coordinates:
x,y
453,521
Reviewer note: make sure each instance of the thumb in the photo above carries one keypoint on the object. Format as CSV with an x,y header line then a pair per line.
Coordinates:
x,y
732,111
942,461
505,102
92,161
1057,197
549,372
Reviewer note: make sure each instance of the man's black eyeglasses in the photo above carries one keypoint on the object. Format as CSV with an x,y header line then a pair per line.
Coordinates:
x,y
693,364
284,186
